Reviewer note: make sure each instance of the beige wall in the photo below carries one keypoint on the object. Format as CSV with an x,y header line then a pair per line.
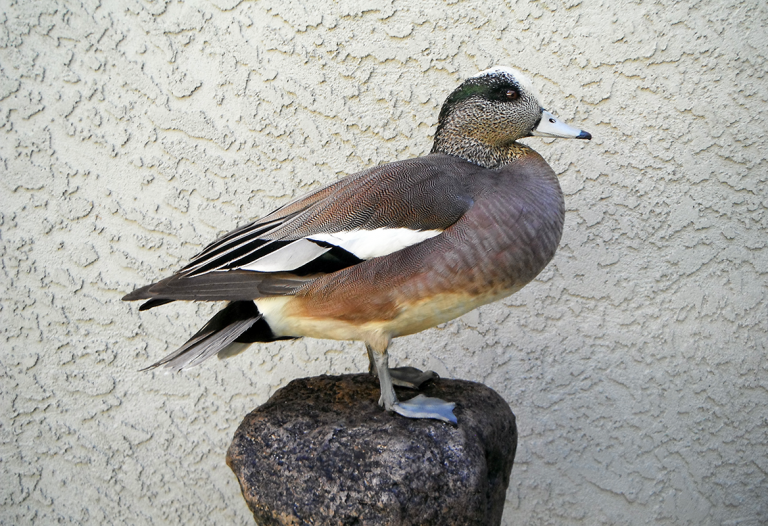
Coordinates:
x,y
133,134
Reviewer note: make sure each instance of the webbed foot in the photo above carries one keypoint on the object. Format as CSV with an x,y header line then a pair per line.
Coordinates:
x,y
421,406
411,377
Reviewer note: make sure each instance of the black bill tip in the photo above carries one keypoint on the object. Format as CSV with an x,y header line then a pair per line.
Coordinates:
x,y
584,135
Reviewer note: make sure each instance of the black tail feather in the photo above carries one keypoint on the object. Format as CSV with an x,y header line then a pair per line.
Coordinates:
x,y
228,326
151,304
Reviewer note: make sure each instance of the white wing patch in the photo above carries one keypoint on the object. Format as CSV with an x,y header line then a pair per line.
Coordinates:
x,y
289,257
367,244
363,244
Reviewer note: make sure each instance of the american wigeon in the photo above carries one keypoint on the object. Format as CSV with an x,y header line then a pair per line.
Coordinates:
x,y
391,250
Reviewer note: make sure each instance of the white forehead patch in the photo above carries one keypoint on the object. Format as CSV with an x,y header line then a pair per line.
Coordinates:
x,y
521,78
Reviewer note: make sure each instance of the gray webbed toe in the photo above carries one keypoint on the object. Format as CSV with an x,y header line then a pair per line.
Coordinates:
x,y
422,406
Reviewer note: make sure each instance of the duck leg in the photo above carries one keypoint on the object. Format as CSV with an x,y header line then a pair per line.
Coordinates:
x,y
418,407
409,377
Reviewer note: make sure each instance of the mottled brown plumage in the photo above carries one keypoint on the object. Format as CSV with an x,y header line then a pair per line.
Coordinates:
x,y
392,250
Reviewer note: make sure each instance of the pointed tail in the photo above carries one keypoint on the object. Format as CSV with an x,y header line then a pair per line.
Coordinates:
x,y
221,332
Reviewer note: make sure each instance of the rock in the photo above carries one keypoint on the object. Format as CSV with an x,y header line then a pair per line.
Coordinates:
x,y
321,451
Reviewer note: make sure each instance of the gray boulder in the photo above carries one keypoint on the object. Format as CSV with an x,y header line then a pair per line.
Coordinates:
x,y
321,451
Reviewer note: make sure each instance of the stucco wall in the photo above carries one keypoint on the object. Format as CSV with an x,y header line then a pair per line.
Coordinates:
x,y
133,133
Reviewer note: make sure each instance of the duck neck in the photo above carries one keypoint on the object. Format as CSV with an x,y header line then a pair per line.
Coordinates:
x,y
475,150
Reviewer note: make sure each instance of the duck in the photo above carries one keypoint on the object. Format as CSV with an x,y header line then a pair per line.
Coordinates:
x,y
392,250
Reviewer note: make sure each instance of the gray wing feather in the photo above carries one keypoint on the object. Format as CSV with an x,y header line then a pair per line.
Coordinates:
x,y
234,285
426,193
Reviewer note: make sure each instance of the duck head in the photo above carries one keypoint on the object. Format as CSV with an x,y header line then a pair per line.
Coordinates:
x,y
482,118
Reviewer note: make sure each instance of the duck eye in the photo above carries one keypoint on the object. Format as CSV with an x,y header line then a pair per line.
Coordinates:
x,y
512,94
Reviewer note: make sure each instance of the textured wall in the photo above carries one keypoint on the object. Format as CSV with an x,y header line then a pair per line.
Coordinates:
x,y
133,133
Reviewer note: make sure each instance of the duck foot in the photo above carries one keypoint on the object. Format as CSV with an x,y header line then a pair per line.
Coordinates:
x,y
421,406
411,377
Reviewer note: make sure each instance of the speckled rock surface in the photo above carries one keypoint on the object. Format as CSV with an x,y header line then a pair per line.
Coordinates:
x,y
321,451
